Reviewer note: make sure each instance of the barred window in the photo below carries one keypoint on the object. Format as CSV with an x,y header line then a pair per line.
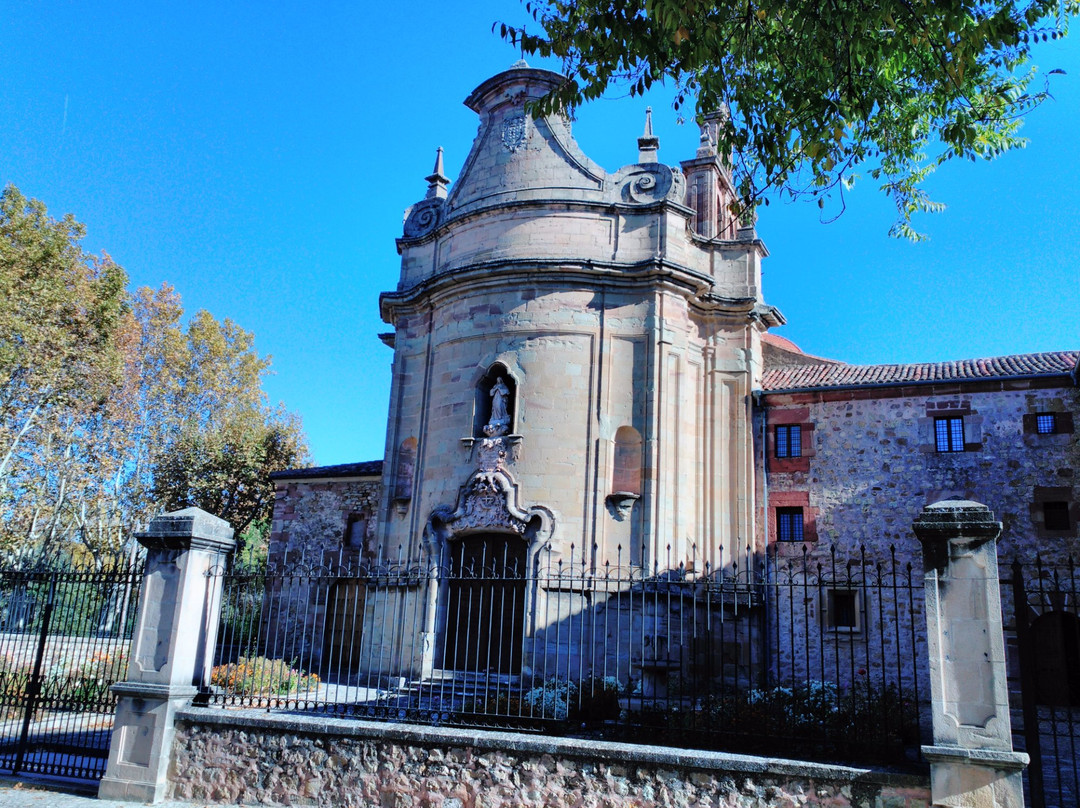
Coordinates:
x,y
789,441
1045,423
789,524
1056,516
842,610
949,433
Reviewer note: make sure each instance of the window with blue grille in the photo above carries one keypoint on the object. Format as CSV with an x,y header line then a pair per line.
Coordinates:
x,y
789,441
789,524
949,433
1045,423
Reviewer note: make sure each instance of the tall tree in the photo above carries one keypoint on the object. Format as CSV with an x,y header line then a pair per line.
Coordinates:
x,y
102,390
60,309
813,91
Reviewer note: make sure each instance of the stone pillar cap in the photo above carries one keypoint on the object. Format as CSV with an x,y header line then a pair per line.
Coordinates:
x,y
187,528
956,518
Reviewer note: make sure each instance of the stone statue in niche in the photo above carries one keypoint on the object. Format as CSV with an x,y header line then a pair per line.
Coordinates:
x,y
499,423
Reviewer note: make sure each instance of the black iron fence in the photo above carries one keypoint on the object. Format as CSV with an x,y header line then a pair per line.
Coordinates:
x,y
1042,621
802,658
64,638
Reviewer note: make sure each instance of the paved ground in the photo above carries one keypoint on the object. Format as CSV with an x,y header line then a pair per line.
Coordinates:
x,y
51,794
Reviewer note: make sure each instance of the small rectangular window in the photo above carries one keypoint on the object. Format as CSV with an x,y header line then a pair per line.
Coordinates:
x,y
949,433
1056,516
789,524
789,441
842,610
1045,423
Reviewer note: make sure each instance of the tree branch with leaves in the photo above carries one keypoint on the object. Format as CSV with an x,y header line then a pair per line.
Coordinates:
x,y
816,92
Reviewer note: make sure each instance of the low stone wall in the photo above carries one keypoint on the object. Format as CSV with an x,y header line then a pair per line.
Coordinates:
x,y
253,757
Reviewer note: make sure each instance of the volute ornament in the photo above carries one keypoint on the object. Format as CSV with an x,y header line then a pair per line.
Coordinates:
x,y
424,217
653,182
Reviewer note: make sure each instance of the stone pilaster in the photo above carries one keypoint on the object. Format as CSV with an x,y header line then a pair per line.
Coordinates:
x,y
972,762
171,651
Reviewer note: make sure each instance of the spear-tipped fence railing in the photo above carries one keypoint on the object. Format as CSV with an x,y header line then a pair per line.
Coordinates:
x,y
64,638
810,657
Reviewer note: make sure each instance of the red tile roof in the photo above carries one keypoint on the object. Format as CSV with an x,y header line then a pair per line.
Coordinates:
x,y
368,468
812,377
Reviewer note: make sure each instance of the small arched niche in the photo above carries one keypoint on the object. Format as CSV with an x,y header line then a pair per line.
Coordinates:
x,y
496,403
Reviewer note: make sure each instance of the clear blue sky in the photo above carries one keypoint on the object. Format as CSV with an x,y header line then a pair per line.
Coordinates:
x,y
258,156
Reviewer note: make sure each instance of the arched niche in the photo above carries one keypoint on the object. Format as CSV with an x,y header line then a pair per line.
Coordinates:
x,y
496,403
626,473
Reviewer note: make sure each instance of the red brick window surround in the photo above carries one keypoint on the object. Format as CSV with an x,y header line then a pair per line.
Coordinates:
x,y
790,440
789,524
791,519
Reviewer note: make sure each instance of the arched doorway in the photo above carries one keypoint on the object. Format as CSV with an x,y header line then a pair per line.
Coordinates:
x,y
485,606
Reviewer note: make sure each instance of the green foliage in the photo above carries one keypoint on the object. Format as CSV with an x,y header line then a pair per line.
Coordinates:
x,y
111,409
225,469
816,719
594,699
84,687
815,92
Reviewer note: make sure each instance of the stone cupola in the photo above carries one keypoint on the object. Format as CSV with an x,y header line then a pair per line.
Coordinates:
x,y
574,351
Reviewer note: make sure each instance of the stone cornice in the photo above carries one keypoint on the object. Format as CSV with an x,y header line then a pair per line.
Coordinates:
x,y
695,285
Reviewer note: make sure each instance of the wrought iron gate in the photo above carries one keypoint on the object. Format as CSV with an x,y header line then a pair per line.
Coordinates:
x,y
64,638
1046,618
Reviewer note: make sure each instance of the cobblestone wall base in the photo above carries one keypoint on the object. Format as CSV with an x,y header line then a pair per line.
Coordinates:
x,y
251,757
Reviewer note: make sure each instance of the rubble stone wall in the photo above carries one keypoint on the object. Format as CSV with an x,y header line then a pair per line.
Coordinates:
x,y
239,757
312,517
874,466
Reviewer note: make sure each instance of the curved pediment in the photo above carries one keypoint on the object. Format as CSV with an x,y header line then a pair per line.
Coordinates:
x,y
516,157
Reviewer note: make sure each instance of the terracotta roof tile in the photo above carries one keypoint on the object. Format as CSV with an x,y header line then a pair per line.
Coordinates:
x,y
812,377
369,468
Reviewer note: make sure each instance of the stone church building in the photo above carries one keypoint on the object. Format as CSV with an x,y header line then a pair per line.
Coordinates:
x,y
584,378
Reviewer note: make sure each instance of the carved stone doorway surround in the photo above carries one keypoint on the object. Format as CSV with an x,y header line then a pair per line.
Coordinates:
x,y
488,504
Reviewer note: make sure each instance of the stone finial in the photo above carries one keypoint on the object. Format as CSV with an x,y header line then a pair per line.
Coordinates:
x,y
747,225
710,131
436,180
648,144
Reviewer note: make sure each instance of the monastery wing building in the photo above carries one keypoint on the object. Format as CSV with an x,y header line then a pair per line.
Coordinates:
x,y
584,379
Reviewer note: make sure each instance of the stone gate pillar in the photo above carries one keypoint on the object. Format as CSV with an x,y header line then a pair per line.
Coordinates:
x,y
171,650
972,762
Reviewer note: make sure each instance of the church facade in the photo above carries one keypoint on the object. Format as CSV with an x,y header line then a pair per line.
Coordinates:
x,y
584,379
